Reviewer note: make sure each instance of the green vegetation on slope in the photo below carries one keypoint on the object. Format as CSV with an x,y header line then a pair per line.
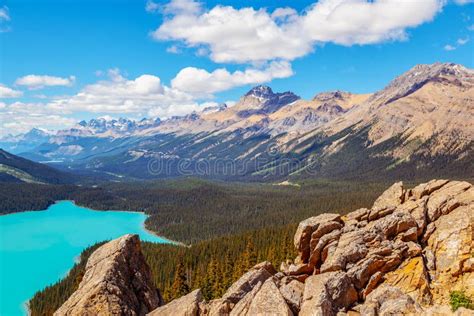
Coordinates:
x,y
459,299
26,170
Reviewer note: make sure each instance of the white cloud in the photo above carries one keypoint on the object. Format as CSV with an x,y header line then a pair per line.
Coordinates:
x,y
6,92
4,19
233,35
459,42
173,49
152,6
4,14
247,35
182,7
19,117
284,13
462,41
38,82
470,27
200,81
144,95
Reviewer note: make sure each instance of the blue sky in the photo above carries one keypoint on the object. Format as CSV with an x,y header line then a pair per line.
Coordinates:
x,y
62,61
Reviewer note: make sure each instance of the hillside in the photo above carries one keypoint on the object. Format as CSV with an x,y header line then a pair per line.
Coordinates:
x,y
17,169
420,123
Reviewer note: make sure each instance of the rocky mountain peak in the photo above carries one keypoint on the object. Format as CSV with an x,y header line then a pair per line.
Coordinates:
x,y
38,132
262,100
337,95
215,108
330,108
260,91
420,75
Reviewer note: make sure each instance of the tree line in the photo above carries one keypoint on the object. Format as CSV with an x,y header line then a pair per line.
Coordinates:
x,y
191,210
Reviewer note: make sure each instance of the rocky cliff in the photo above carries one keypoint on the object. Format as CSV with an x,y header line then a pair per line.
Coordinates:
x,y
403,256
117,281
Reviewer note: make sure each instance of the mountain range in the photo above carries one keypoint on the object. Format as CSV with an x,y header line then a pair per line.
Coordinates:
x,y
422,121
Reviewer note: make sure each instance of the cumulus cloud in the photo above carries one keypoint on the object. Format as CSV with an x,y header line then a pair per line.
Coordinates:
x,y
152,6
462,41
247,35
19,117
173,49
4,19
4,13
199,81
144,95
34,82
459,42
6,92
182,7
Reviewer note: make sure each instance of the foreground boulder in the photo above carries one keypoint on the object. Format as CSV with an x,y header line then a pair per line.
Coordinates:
x,y
117,281
187,305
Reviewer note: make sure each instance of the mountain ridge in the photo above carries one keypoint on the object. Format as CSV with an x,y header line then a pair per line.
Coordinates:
x,y
421,120
17,169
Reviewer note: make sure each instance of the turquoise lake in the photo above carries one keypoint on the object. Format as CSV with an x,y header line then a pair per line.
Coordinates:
x,y
38,248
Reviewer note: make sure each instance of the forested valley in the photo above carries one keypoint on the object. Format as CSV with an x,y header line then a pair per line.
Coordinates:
x,y
191,210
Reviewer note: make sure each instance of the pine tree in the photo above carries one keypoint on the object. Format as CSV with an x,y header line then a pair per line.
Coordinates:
x,y
209,287
227,271
249,256
180,286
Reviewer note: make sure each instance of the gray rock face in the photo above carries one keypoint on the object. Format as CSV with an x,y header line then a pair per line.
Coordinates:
x,y
217,307
387,300
392,197
187,305
242,307
269,301
305,230
293,294
248,281
117,281
325,294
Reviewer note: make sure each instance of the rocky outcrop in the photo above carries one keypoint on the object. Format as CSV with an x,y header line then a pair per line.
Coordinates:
x,y
403,256
117,281
400,257
187,305
258,274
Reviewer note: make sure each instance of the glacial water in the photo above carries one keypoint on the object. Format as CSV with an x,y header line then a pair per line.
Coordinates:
x,y
38,248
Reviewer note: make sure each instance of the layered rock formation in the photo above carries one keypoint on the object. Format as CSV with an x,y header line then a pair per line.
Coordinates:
x,y
403,256
117,281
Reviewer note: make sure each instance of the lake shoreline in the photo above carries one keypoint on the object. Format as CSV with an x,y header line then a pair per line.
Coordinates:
x,y
175,242
54,238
